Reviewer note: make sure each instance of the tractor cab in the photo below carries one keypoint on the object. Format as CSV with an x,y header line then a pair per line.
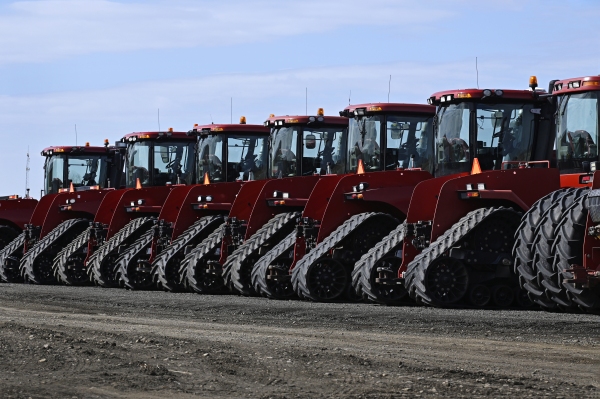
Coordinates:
x,y
577,133
231,153
498,127
84,167
389,136
155,159
307,145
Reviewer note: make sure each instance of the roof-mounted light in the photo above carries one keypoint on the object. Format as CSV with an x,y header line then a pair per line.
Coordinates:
x,y
487,93
320,112
499,93
217,129
144,136
375,108
591,83
312,119
242,120
292,120
464,95
533,83
360,111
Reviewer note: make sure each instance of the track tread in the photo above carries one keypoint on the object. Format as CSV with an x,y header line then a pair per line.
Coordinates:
x,y
260,269
10,253
31,256
241,261
302,269
363,269
124,260
172,253
60,261
414,277
101,254
202,251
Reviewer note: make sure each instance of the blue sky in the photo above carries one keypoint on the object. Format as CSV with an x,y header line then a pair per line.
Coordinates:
x,y
107,66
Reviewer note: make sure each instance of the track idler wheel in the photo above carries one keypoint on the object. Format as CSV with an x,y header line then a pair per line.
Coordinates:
x,y
447,281
480,295
327,279
503,296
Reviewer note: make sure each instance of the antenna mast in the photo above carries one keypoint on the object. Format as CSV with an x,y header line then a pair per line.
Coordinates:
x,y
477,71
159,119
75,136
389,88
306,100
27,175
231,111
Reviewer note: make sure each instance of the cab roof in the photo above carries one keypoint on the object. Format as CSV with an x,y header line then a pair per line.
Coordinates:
x,y
156,135
375,108
442,97
319,119
72,149
577,85
242,128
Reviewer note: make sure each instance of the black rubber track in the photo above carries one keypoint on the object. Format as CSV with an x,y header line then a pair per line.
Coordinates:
x,y
282,289
523,250
415,275
238,267
543,254
70,258
101,264
167,264
365,271
36,264
356,224
10,256
194,266
126,265
568,247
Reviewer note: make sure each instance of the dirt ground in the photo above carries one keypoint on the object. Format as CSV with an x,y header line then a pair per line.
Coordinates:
x,y
69,342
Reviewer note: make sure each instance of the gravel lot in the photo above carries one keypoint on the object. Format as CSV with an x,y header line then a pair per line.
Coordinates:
x,y
107,343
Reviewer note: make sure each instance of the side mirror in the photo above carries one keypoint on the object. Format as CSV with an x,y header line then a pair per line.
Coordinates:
x,y
397,130
310,141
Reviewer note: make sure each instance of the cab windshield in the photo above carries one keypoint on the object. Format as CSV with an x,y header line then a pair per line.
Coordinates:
x,y
409,142
81,170
577,132
500,132
364,142
323,151
247,158
283,152
159,163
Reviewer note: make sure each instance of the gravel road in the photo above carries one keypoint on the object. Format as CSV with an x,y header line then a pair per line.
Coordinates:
x,y
88,342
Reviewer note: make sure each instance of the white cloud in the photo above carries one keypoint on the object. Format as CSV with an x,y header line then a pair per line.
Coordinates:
x,y
38,31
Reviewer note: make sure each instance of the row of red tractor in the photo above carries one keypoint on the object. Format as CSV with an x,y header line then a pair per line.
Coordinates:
x,y
483,198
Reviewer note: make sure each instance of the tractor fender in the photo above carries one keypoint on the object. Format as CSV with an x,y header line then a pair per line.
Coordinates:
x,y
178,208
388,192
298,188
17,212
71,205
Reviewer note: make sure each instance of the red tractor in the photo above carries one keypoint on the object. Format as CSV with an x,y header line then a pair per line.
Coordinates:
x,y
455,247
76,180
556,251
155,162
303,151
228,157
389,145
